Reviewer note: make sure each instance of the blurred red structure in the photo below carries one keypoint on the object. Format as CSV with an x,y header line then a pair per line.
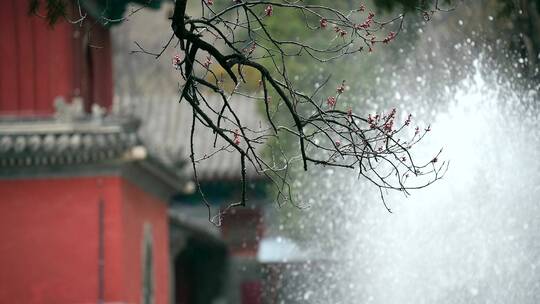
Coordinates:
x,y
40,62
81,221
243,242
251,292
85,213
50,251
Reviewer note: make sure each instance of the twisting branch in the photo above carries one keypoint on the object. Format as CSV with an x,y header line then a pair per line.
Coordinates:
x,y
236,38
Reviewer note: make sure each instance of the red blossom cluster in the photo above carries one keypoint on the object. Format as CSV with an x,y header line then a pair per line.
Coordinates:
x,y
386,124
236,137
408,120
391,36
367,23
341,88
373,121
251,49
323,22
387,121
177,62
341,32
207,62
331,101
269,10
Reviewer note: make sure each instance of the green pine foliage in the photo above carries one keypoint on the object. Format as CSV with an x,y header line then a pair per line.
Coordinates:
x,y
101,10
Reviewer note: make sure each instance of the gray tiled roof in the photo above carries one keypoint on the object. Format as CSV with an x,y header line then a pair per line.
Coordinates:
x,y
165,131
50,141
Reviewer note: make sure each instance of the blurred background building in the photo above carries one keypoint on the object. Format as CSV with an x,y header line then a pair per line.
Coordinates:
x,y
97,202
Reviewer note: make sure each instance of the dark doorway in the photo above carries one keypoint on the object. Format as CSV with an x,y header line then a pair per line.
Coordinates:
x,y
200,272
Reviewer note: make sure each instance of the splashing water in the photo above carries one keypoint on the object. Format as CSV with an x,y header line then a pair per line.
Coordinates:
x,y
473,237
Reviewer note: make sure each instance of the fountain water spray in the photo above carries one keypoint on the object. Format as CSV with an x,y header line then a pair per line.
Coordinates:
x,y
473,237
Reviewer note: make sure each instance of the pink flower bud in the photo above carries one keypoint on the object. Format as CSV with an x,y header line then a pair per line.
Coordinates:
x,y
177,61
341,88
391,36
324,23
269,10
408,120
331,101
236,137
207,62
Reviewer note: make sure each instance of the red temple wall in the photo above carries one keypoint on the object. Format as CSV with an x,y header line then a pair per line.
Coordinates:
x,y
49,240
39,62
140,208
